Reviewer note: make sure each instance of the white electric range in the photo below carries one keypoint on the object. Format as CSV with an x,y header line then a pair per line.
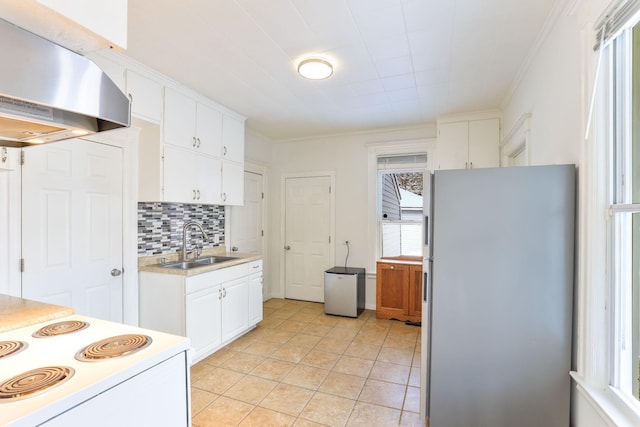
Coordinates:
x,y
94,373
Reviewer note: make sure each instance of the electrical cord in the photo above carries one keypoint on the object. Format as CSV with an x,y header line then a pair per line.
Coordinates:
x,y
347,257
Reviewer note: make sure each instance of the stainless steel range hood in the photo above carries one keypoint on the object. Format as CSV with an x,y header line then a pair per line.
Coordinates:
x,y
49,93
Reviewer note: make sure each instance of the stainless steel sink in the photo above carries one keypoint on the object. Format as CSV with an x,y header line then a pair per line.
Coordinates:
x,y
200,262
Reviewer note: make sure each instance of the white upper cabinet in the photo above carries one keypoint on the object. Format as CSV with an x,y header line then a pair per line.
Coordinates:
x,y
233,139
466,144
146,97
191,124
232,183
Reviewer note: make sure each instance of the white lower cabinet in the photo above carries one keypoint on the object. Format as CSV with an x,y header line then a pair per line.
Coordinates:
x,y
235,308
211,309
202,319
255,292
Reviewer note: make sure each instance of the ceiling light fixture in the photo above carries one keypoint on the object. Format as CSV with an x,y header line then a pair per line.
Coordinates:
x,y
315,68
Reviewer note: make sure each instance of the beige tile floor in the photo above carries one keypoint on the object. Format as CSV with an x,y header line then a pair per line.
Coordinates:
x,y
300,367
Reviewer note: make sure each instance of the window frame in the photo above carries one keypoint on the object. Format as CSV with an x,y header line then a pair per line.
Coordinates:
x,y
374,150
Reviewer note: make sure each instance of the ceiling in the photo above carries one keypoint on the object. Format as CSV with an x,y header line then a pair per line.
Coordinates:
x,y
398,63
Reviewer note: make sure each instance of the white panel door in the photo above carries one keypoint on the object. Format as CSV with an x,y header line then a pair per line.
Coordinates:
x,y
246,220
235,307
72,227
307,237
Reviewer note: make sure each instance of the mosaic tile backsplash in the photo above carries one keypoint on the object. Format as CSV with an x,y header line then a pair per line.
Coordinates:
x,y
160,226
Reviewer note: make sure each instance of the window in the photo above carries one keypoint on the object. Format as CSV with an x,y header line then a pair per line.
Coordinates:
x,y
623,54
400,181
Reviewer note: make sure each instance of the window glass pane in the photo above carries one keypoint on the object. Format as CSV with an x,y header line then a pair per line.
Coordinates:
x,y
400,198
401,239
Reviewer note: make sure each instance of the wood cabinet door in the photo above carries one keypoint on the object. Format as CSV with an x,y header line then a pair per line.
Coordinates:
x,y
392,289
415,290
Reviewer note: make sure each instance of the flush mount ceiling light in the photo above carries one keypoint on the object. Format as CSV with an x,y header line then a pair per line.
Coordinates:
x,y
315,68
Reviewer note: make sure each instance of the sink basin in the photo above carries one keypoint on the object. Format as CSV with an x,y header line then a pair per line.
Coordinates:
x,y
200,262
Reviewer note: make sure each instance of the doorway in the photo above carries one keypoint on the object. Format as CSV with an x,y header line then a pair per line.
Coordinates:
x,y
308,236
72,227
247,220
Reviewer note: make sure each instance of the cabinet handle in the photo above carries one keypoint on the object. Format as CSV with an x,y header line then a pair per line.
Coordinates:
x,y
198,142
194,194
5,155
224,292
224,150
219,293
194,142
391,267
198,191
466,165
471,165
224,197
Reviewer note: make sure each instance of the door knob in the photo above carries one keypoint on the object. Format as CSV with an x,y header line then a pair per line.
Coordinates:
x,y
234,249
286,248
116,272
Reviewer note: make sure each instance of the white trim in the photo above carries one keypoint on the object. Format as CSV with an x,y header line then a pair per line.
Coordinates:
x,y
280,293
609,405
379,149
127,139
517,140
470,116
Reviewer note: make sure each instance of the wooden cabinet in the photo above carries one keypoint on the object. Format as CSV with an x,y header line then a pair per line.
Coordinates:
x,y
469,144
211,309
399,290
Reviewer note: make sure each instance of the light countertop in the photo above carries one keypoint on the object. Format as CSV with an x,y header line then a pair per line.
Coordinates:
x,y
18,312
150,263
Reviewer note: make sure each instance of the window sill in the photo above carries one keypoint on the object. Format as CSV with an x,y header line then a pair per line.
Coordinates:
x,y
612,408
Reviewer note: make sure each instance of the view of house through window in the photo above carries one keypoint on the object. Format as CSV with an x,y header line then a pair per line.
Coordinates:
x,y
401,212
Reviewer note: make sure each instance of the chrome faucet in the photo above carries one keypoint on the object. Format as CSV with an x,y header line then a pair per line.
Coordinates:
x,y
184,237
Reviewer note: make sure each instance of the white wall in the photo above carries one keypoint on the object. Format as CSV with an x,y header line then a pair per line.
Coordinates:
x,y
346,156
555,89
551,92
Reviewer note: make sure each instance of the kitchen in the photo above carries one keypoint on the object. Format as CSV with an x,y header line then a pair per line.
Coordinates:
x,y
547,105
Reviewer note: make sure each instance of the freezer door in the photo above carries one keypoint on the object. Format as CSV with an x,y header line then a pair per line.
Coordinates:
x,y
427,196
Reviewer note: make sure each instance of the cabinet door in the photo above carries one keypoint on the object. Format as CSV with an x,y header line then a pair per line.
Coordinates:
x,y
453,148
392,289
235,307
203,311
179,175
415,290
255,293
232,183
208,183
233,139
209,130
179,119
146,97
484,142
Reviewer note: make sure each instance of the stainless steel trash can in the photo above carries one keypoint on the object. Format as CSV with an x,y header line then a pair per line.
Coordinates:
x,y
344,291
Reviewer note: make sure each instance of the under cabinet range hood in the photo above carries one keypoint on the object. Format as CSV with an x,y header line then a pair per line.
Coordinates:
x,y
49,93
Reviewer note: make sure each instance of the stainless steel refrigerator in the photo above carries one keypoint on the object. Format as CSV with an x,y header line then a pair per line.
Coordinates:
x,y
497,297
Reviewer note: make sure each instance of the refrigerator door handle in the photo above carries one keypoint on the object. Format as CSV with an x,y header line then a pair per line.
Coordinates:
x,y
426,230
425,281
